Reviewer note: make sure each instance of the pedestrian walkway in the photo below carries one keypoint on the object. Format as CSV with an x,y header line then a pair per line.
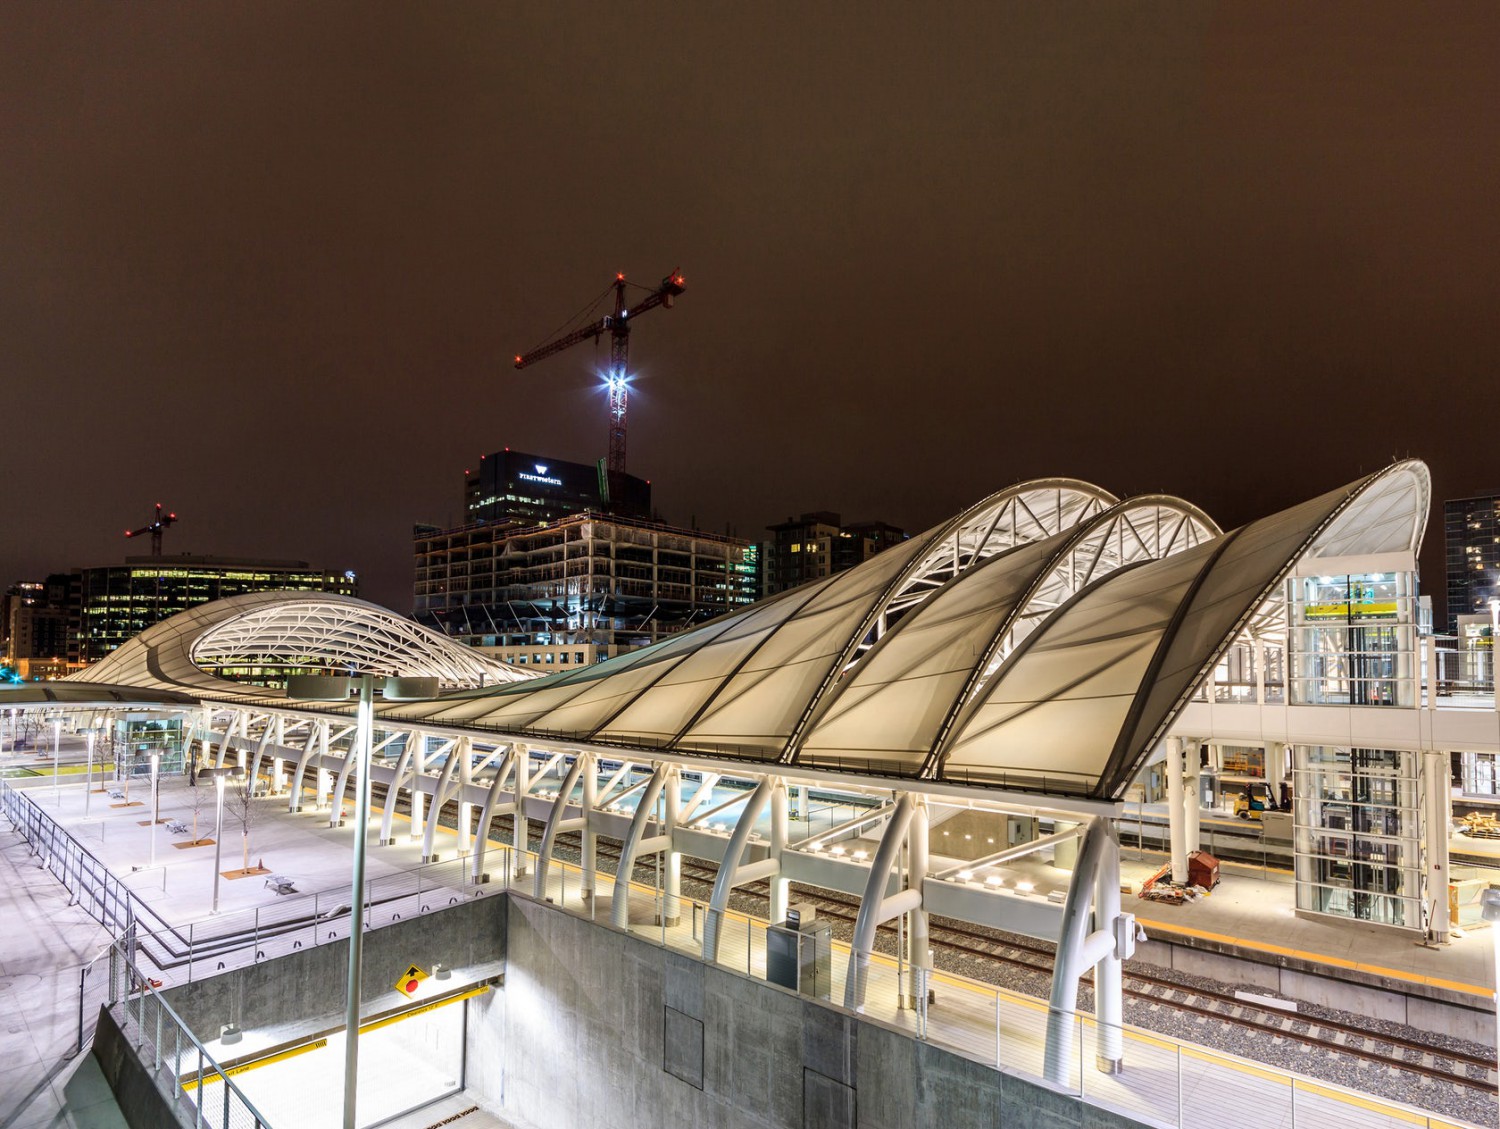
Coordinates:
x,y
44,944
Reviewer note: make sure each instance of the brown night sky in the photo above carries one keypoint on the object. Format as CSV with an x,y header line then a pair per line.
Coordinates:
x,y
267,263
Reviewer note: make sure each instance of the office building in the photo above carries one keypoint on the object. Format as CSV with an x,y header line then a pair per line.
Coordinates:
x,y
1471,539
118,602
818,544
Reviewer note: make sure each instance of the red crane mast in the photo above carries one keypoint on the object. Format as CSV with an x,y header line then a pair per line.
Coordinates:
x,y
617,324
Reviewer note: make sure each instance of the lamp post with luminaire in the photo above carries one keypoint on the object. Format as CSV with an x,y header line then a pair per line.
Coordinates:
x,y
326,688
56,777
220,777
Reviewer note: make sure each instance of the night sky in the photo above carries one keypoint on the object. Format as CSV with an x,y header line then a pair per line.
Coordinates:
x,y
268,263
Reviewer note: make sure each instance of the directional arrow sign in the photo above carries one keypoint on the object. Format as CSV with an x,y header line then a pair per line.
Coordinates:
x,y
410,980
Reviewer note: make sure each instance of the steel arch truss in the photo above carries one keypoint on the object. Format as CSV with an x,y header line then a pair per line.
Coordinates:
x,y
342,634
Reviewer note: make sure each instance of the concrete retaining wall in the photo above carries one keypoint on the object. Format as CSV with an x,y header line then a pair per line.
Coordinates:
x,y
307,986
598,1028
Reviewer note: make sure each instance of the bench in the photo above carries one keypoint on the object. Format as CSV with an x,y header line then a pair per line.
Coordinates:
x,y
177,827
282,884
116,794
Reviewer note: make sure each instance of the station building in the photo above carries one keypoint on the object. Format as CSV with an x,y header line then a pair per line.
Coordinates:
x,y
1012,673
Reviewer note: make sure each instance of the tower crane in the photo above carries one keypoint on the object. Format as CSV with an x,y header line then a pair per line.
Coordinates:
x,y
617,325
155,529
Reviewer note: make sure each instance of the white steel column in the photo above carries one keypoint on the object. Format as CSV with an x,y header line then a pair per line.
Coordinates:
x,y
1437,816
780,887
492,806
1094,932
917,864
875,908
294,801
455,750
418,778
635,841
1192,796
519,830
671,906
393,791
558,822
1175,814
589,839
1108,978
733,870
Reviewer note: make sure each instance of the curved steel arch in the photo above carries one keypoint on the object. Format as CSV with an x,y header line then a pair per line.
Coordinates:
x,y
1027,511
292,628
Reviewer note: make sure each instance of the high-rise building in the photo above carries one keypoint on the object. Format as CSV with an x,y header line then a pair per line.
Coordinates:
x,y
117,602
817,544
34,623
541,573
517,488
1471,532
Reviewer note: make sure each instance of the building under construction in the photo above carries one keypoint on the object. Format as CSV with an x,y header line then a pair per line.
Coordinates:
x,y
577,590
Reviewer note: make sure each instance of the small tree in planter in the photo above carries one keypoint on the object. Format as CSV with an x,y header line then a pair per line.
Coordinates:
x,y
241,810
201,798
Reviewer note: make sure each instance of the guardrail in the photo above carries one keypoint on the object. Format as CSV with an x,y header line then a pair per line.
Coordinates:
x,y
182,1066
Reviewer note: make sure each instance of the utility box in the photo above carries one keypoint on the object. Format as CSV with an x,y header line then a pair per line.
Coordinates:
x,y
1276,827
799,952
1203,870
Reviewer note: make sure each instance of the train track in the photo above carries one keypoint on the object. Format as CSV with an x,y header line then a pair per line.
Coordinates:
x,y
1330,1037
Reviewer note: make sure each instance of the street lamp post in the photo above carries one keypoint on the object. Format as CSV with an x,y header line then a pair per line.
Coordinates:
x,y
220,777
56,777
156,764
88,787
322,688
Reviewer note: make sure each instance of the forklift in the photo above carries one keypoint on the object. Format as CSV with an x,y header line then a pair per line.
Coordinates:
x,y
1255,801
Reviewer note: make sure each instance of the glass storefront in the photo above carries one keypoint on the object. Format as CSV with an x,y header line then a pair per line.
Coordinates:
x,y
1357,816
1353,639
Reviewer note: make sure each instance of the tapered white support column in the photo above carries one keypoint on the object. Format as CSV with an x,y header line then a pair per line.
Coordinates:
x,y
1192,796
418,778
589,798
671,910
1175,814
520,825
1108,978
780,887
1436,818
919,965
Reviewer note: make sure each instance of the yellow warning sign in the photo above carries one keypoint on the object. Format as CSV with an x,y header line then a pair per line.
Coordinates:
x,y
410,980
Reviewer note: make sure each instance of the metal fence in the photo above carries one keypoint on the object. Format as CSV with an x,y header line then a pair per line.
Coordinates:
x,y
183,1069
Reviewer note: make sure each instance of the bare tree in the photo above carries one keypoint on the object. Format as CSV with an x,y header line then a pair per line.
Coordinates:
x,y
200,796
241,810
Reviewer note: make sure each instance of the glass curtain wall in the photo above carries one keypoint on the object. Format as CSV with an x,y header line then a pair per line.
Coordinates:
x,y
1353,639
1358,826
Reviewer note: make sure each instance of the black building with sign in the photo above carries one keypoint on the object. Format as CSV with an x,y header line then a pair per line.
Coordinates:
x,y
523,489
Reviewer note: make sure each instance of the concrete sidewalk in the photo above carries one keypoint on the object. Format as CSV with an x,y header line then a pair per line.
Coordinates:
x,y
43,944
